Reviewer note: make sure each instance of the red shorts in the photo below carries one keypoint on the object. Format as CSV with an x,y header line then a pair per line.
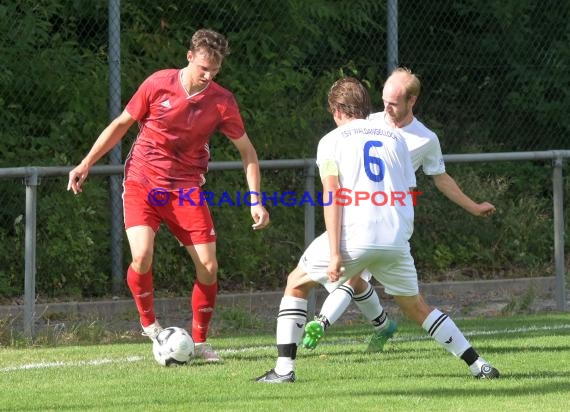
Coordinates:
x,y
184,212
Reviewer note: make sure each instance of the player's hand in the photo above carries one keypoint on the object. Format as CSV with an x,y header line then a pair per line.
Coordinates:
x,y
335,269
76,178
484,209
260,216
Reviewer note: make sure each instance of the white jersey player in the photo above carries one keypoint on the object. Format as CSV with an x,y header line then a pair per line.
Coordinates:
x,y
366,159
373,167
399,95
366,155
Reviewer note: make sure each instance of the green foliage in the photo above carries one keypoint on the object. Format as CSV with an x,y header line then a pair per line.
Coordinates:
x,y
497,84
75,264
53,80
517,239
54,89
11,250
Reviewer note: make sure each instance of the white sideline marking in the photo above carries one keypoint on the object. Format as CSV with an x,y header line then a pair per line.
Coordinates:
x,y
495,332
93,362
417,337
96,362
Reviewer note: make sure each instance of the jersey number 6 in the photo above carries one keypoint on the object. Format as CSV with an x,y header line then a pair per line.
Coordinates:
x,y
369,160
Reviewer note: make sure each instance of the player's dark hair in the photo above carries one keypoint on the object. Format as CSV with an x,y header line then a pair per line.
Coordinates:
x,y
211,42
350,97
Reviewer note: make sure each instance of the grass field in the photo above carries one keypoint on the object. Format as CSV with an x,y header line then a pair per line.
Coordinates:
x,y
412,374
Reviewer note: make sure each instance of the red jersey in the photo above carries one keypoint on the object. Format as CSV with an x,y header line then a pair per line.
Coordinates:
x,y
171,150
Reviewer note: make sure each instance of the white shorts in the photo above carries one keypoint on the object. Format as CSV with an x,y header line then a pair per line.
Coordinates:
x,y
393,268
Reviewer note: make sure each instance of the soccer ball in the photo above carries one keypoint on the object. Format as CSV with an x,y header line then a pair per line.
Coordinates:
x,y
173,346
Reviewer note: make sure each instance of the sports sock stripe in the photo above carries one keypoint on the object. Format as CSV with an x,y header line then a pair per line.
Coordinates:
x,y
366,295
347,289
292,312
433,329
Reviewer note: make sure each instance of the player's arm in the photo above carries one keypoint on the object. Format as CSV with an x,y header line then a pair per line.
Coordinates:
x,y
447,185
108,138
332,215
253,176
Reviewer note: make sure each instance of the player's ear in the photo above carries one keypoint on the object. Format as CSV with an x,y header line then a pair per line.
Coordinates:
x,y
413,100
189,56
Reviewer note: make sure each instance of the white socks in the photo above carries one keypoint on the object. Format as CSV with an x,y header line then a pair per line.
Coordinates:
x,y
445,332
336,303
290,328
369,304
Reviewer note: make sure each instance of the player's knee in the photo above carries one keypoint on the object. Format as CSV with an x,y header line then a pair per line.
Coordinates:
x,y
298,291
415,308
299,283
354,281
141,262
360,285
208,269
212,268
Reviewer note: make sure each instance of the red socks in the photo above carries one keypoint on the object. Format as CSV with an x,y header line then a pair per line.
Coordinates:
x,y
140,285
203,303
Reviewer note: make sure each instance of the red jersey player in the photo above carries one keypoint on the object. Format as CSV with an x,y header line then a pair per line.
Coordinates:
x,y
177,112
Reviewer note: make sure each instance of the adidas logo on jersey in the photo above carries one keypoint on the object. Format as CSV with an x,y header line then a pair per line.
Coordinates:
x,y
166,104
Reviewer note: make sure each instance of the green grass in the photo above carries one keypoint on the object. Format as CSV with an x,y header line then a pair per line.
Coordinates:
x,y
413,373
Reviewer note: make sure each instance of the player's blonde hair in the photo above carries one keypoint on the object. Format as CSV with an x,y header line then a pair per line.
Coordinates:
x,y
210,42
409,80
350,97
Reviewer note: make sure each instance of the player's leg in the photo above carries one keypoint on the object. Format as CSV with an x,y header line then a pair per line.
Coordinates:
x,y
141,223
400,280
333,307
139,277
204,294
369,304
335,304
192,225
205,290
445,332
290,322
339,299
366,299
311,270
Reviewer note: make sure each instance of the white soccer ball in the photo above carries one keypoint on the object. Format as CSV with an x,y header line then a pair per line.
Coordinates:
x,y
173,346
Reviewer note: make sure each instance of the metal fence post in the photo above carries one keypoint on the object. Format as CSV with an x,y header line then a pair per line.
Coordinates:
x,y
558,205
391,35
115,156
31,182
309,210
310,227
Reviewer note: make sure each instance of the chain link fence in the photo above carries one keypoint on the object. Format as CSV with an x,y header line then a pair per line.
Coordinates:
x,y
494,79
494,74
12,222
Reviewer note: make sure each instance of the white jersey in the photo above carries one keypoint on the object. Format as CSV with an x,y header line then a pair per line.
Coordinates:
x,y
422,143
372,161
